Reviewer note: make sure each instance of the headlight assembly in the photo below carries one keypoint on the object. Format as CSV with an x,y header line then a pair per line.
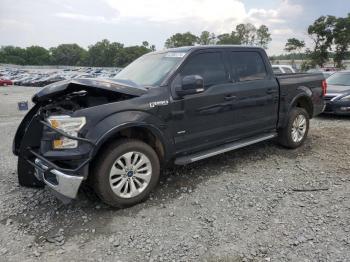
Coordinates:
x,y
69,125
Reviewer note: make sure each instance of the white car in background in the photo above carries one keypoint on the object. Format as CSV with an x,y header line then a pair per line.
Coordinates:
x,y
283,69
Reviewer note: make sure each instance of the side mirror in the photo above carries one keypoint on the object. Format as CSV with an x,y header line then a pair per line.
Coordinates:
x,y
192,84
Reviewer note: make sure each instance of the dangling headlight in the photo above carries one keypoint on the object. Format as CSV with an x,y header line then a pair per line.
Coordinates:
x,y
69,125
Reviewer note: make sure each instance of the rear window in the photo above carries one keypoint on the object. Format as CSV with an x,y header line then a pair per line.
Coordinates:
x,y
247,66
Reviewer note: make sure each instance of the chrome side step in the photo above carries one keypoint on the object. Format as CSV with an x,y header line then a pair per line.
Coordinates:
x,y
224,148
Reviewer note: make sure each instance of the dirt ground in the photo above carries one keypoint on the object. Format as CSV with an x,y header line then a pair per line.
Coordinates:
x,y
260,203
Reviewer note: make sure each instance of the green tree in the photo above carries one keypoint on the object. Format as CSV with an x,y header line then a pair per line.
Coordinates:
x,y
263,37
68,54
37,55
177,40
294,44
341,36
129,54
12,55
153,48
104,53
228,39
321,32
206,38
246,33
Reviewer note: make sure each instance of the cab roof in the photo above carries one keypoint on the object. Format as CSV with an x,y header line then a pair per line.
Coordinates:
x,y
200,47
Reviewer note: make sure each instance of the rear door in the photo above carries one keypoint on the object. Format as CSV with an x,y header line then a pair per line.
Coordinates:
x,y
257,92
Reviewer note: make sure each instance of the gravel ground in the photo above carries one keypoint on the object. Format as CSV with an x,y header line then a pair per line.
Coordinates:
x,y
253,204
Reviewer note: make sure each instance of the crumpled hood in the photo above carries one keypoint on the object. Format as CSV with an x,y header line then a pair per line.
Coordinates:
x,y
74,85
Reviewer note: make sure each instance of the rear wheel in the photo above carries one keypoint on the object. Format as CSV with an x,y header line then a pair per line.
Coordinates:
x,y
125,173
295,132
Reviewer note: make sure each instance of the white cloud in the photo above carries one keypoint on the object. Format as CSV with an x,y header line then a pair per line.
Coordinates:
x,y
279,15
14,24
195,14
86,18
282,31
177,10
206,14
190,15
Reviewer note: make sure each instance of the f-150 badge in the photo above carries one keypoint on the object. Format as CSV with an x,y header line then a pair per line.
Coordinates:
x,y
159,103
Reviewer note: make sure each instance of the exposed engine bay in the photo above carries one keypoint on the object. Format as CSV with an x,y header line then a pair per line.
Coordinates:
x,y
69,96
74,101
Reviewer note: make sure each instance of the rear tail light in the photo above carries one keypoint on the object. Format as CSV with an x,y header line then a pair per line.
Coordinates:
x,y
324,87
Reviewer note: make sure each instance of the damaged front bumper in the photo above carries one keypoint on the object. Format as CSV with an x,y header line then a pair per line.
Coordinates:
x,y
46,168
64,184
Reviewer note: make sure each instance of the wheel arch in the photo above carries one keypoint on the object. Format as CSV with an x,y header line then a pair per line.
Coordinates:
x,y
303,100
147,133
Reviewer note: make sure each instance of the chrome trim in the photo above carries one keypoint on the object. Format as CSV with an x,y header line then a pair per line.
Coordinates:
x,y
223,149
67,185
232,148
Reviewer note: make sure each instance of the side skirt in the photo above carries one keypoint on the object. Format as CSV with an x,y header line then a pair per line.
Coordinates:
x,y
223,148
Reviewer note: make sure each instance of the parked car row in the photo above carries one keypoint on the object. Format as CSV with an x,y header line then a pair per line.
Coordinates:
x,y
5,82
283,69
42,77
327,72
337,97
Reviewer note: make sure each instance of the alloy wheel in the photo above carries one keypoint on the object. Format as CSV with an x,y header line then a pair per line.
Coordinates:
x,y
130,174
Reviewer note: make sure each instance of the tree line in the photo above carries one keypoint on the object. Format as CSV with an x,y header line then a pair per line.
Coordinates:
x,y
102,54
113,54
331,39
244,34
330,36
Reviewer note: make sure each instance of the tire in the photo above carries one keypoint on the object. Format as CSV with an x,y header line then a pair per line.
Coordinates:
x,y
289,136
108,184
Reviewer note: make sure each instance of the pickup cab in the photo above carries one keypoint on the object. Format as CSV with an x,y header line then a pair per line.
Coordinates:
x,y
175,106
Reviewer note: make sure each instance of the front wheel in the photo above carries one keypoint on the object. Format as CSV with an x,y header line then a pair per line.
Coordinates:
x,y
125,173
295,132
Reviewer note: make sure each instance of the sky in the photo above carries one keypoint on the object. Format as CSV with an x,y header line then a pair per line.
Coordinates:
x,y
51,22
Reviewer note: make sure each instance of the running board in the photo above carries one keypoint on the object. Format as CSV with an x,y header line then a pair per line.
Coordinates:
x,y
222,149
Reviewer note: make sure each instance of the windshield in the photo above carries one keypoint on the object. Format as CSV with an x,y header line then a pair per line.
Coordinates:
x,y
150,69
339,79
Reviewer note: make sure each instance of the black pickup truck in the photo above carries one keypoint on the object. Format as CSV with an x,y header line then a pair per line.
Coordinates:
x,y
173,106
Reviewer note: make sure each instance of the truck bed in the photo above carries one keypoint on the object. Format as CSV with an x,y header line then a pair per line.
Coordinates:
x,y
291,85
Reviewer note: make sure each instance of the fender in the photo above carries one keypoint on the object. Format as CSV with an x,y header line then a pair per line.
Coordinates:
x,y
114,123
304,92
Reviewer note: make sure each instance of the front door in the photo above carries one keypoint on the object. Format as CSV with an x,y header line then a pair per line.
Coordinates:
x,y
207,118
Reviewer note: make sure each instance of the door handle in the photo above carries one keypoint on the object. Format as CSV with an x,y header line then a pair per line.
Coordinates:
x,y
230,97
271,91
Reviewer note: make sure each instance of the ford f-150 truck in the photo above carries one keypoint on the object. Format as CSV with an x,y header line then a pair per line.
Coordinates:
x,y
174,106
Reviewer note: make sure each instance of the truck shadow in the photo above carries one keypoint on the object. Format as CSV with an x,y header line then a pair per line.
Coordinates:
x,y
44,216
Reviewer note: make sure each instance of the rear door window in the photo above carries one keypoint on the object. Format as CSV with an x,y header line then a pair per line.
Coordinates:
x,y
210,66
247,66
